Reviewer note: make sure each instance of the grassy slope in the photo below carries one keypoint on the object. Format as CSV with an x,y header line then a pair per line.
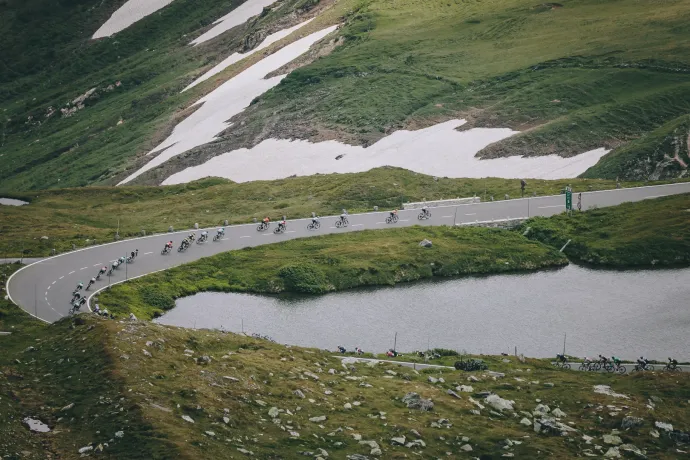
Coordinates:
x,y
157,391
71,216
47,59
651,232
334,262
574,78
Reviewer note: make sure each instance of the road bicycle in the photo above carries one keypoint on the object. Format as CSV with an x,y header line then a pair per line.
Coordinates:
x,y
314,225
392,219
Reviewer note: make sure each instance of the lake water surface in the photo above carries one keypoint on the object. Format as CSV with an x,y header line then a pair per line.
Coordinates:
x,y
621,313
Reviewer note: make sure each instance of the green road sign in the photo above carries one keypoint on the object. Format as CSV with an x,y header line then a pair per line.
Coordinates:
x,y
568,200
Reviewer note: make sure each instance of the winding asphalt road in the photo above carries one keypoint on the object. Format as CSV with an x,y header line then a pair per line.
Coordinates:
x,y
44,289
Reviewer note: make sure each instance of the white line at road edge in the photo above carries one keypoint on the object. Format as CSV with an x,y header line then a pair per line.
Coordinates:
x,y
246,236
88,299
556,206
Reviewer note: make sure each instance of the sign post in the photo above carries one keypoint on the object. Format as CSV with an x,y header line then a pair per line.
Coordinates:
x,y
568,199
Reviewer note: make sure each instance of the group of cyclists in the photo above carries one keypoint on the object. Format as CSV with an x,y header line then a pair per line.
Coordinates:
x,y
188,240
79,297
614,364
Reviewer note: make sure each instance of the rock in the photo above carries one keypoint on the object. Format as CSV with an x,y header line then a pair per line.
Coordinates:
x,y
357,436
232,379
320,418
312,375
357,457
85,449
453,394
415,443
347,406
98,449
294,434
432,379
634,450
525,421
606,390
398,441
612,439
631,422
210,433
558,413
425,243
187,418
541,409
376,452
497,375
475,412
274,412
613,452
464,388
226,420
299,394
204,360
679,436
322,452
416,433
476,403
244,451
414,401
499,403
664,426
466,448
654,434
331,371
548,385
260,402
67,407
472,378
132,317
548,425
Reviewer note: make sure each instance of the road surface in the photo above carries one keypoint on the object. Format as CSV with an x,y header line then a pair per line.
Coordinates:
x,y
44,289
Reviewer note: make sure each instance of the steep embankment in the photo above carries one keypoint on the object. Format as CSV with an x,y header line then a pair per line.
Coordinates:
x,y
647,233
140,390
76,110
336,262
565,75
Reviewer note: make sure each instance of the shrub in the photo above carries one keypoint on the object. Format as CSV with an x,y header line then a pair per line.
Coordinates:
x,y
155,298
304,278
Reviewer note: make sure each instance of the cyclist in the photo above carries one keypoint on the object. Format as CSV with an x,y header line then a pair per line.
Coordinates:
x,y
561,358
92,281
192,237
315,220
132,255
204,236
185,243
79,286
103,270
221,231
343,217
341,349
616,361
122,260
394,213
266,220
425,210
642,362
282,224
672,363
169,244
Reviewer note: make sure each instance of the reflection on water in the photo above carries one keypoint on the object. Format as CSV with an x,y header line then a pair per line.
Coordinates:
x,y
621,313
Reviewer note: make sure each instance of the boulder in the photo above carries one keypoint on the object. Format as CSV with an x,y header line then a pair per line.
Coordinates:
x,y
664,426
558,413
612,439
398,441
633,450
453,394
466,448
320,418
631,422
613,452
525,421
499,403
414,401
464,388
426,243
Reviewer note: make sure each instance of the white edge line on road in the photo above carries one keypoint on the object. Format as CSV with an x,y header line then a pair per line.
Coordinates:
x,y
88,299
472,214
245,236
446,217
555,206
358,225
404,220
377,223
291,231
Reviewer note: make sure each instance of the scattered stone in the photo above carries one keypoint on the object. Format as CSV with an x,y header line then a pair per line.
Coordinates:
x,y
612,439
260,402
187,418
541,409
465,388
453,394
416,433
299,394
525,421
548,425
414,401
398,441
244,451
425,243
472,378
146,353
98,449
320,418
274,412
475,412
631,422
613,452
312,375
204,360
210,433
85,449
679,436
415,443
432,379
499,403
663,426
347,406
120,434
606,390
466,448
654,434
496,375
294,434
67,407
549,385
634,450
558,413
357,457
226,420
232,379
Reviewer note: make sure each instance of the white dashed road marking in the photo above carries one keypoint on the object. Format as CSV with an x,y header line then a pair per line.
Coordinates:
x,y
246,236
147,253
71,272
404,220
62,277
96,265
358,225
52,283
83,268
446,217
291,231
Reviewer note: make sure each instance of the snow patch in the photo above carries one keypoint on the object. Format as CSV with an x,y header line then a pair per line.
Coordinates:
x,y
439,150
235,57
226,101
128,14
12,202
238,16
